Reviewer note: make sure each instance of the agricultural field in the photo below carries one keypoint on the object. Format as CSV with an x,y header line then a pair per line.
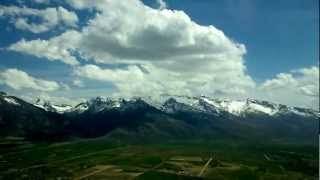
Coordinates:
x,y
105,159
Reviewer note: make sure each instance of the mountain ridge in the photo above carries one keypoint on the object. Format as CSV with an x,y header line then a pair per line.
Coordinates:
x,y
144,120
202,103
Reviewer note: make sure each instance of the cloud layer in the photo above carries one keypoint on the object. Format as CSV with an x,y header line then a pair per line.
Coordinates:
x,y
20,80
165,43
56,49
49,18
299,87
143,51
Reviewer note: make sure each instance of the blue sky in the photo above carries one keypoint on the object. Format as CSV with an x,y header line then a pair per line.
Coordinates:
x,y
280,40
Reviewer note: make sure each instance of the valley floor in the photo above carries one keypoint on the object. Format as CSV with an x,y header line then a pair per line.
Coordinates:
x,y
103,159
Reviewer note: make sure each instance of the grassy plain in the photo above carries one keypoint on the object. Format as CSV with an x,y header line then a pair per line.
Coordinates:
x,y
105,159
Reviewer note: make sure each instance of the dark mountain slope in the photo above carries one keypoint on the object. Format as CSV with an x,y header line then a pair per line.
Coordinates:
x,y
131,114
19,118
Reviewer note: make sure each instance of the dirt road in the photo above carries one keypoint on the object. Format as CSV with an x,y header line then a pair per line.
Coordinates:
x,y
205,167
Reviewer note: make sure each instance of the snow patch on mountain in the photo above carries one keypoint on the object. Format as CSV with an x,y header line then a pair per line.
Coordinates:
x,y
233,107
61,108
80,108
11,101
242,107
48,106
260,108
40,106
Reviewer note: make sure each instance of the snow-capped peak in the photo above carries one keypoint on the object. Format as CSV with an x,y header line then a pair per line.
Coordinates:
x,y
97,104
172,103
100,103
240,107
9,99
48,106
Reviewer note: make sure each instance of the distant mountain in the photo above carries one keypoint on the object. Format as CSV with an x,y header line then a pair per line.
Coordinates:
x,y
19,118
203,104
235,107
143,119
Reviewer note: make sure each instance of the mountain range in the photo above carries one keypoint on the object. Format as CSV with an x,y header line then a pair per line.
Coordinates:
x,y
145,119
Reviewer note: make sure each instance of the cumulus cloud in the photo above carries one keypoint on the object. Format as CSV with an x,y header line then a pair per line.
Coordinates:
x,y
282,80
143,51
299,87
149,80
128,31
164,51
131,81
53,50
49,18
19,80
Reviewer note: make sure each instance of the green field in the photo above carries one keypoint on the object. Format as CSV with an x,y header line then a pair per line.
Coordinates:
x,y
104,159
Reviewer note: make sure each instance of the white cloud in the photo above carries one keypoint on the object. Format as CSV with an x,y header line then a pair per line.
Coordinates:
x,y
54,98
162,4
78,83
178,54
53,50
68,18
298,88
148,80
282,80
49,18
165,52
128,31
19,80
137,81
